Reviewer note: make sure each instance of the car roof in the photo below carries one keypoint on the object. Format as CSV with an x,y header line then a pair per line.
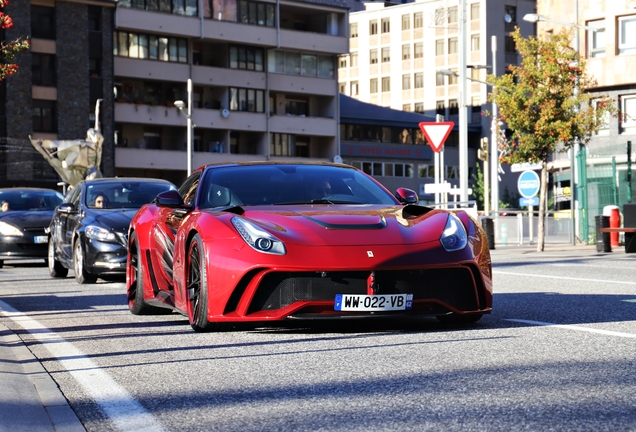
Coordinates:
x,y
27,189
125,179
273,163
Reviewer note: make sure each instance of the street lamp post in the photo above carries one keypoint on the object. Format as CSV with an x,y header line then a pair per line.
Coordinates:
x,y
494,140
463,114
188,115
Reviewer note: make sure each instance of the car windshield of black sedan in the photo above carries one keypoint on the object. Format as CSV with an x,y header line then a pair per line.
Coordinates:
x,y
118,195
289,184
26,200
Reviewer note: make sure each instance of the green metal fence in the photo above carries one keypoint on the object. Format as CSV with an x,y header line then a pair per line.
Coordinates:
x,y
605,178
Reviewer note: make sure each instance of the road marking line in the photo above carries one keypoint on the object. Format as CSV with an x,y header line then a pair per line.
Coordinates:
x,y
563,277
573,327
115,402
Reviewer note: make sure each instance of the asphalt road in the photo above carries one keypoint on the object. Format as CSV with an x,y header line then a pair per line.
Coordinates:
x,y
557,353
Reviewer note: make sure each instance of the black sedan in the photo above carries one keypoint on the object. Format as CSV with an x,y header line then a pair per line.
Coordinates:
x,y
25,215
89,229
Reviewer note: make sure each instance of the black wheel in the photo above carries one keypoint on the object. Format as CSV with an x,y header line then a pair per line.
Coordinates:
x,y
197,289
459,319
81,275
136,302
56,269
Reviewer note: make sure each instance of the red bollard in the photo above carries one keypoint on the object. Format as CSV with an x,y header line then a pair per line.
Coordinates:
x,y
615,222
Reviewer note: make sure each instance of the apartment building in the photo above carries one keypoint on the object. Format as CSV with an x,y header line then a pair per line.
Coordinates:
x,y
263,76
396,51
52,96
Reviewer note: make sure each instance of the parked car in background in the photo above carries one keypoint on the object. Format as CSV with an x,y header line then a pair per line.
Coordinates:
x,y
89,229
257,242
25,215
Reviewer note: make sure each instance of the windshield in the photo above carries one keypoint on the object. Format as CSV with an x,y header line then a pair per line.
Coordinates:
x,y
289,184
130,194
26,200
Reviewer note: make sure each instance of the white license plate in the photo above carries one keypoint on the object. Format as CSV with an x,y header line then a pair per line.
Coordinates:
x,y
41,239
381,302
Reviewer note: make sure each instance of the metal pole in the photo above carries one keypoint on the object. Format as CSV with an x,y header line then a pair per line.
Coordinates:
x,y
573,171
463,116
494,146
629,171
189,125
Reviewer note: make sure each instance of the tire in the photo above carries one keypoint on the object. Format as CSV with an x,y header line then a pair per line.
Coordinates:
x,y
136,302
82,277
56,269
197,289
459,319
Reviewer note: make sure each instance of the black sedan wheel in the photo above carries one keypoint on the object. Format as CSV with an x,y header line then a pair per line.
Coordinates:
x,y
56,269
136,302
81,275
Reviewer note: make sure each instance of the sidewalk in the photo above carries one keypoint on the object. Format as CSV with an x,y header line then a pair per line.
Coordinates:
x,y
29,398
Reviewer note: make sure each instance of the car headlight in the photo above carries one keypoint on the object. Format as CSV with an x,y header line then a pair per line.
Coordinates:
x,y
454,236
99,233
258,238
9,230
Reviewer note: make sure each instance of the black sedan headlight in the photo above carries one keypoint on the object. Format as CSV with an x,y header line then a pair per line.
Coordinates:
x,y
101,234
7,229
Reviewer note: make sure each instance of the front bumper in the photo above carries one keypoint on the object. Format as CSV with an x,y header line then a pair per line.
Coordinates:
x,y
102,258
30,245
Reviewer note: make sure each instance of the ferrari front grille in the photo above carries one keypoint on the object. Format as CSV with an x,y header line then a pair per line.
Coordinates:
x,y
454,286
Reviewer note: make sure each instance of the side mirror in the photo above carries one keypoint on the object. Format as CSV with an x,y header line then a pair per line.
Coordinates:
x,y
406,196
169,198
66,208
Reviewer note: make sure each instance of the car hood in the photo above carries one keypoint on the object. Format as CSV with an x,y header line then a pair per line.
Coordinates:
x,y
25,219
119,220
351,224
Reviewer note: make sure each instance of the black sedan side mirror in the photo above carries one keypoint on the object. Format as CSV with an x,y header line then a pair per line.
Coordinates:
x,y
406,196
66,208
169,198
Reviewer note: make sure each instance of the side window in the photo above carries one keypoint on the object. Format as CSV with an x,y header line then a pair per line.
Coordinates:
x,y
73,195
188,190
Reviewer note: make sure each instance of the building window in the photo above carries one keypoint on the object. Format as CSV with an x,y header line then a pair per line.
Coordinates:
x,y
44,116
406,22
353,29
296,107
439,80
354,59
406,107
419,80
419,107
628,111
475,73
418,20
386,55
373,85
373,56
453,107
419,49
386,84
474,11
282,145
452,46
42,22
342,87
511,11
43,70
596,39
440,108
454,78
452,15
255,13
627,35
406,82
406,52
354,88
295,63
250,100
249,58
386,25
439,47
452,172
474,42
373,27
426,171
342,63
151,47
509,44
475,104
180,7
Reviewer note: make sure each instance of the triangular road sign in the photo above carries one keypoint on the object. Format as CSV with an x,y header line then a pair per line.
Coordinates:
x,y
436,133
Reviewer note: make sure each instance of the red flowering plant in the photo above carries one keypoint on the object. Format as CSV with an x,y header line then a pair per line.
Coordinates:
x,y
9,49
545,103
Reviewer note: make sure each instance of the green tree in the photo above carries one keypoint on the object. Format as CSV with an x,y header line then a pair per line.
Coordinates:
x,y
9,49
477,185
545,104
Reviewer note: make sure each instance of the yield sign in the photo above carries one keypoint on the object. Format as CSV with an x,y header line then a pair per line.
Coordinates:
x,y
436,133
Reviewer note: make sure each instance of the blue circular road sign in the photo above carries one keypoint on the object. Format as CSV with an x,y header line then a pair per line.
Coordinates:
x,y
528,184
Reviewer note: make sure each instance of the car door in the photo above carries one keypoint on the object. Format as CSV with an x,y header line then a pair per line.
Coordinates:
x,y
58,224
70,220
166,223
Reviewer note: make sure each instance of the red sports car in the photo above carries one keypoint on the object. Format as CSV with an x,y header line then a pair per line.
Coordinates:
x,y
258,242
